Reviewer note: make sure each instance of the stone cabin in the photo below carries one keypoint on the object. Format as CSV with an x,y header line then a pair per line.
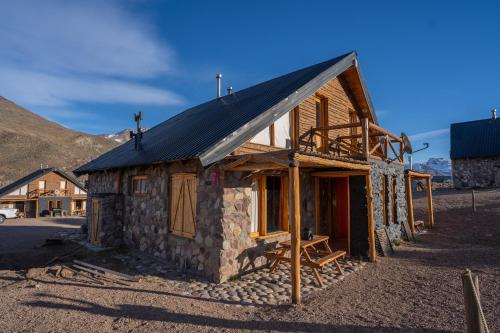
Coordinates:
x,y
475,153
210,187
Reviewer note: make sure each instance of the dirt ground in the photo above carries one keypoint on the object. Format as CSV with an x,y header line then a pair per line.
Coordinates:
x,y
417,290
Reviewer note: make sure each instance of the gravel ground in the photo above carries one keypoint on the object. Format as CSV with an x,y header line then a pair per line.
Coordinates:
x,y
416,290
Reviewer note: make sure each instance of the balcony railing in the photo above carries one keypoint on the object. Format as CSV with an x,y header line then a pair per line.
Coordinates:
x,y
48,193
365,140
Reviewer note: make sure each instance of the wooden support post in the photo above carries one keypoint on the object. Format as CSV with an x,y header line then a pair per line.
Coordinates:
x,y
474,321
294,213
409,203
371,222
429,201
473,201
386,147
365,137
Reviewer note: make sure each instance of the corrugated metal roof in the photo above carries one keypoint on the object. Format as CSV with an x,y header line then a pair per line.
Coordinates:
x,y
35,175
212,130
472,139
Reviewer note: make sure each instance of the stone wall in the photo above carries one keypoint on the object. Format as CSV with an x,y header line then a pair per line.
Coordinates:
x,y
378,169
110,218
145,218
476,172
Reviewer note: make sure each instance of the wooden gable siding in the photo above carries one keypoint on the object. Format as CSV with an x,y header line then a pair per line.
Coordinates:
x,y
339,106
52,182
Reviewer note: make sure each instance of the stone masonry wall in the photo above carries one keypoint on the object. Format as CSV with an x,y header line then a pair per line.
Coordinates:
x,y
378,169
476,172
146,218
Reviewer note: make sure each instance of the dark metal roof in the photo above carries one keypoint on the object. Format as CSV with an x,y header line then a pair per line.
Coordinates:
x,y
212,130
35,175
479,138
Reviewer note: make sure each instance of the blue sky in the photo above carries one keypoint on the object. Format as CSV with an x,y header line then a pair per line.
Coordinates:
x,y
90,65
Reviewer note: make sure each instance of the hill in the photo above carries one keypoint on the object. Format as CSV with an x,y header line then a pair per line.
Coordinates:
x,y
28,141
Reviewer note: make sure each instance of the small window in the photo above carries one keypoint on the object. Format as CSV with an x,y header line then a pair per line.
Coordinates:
x,y
269,206
139,185
58,204
321,139
183,194
41,184
62,185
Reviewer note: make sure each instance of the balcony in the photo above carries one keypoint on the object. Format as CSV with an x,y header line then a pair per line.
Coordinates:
x,y
361,140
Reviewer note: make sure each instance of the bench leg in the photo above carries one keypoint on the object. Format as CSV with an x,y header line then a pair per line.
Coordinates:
x,y
316,274
274,265
338,267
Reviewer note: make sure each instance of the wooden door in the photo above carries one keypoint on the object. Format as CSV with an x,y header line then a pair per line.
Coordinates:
x,y
94,225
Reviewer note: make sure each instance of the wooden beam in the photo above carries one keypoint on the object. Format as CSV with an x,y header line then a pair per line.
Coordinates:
x,y
336,127
236,163
371,220
257,166
429,201
384,131
366,140
324,162
393,150
409,203
335,174
271,159
375,148
294,213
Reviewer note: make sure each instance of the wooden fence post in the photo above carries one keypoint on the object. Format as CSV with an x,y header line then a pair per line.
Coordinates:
x,y
473,313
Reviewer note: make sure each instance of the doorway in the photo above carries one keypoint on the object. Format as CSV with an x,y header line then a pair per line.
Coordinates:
x,y
333,211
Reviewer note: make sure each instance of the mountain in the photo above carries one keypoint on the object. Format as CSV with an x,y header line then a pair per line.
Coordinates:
x,y
28,141
437,166
120,137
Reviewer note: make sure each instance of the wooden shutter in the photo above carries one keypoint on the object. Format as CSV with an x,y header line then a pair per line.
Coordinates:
x,y
183,205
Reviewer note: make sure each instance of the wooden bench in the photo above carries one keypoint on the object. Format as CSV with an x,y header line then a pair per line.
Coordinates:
x,y
419,225
329,258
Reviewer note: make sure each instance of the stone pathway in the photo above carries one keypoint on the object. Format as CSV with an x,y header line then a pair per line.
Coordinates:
x,y
262,287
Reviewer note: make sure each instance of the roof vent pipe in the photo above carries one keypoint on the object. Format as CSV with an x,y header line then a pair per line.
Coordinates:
x,y
229,90
219,81
494,114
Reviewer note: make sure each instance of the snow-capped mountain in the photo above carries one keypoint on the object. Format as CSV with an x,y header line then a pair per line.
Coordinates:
x,y
436,166
120,137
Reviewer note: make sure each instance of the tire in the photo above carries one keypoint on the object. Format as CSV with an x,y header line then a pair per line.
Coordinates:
x,y
2,219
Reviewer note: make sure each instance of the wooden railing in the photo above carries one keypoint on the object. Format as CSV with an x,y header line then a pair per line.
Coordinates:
x,y
372,141
47,193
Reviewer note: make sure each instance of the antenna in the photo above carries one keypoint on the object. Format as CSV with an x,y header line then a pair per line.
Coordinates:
x,y
138,134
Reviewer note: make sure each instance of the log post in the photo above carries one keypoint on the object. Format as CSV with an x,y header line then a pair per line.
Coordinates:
x,y
472,304
429,201
294,213
409,203
371,225
365,137
473,201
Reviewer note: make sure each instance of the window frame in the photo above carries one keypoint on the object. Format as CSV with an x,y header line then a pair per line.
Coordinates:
x,y
262,207
322,122
142,179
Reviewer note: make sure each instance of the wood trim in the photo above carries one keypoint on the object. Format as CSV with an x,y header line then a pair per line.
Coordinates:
x,y
409,204
429,202
323,162
335,174
272,138
294,131
317,208
262,227
371,225
384,199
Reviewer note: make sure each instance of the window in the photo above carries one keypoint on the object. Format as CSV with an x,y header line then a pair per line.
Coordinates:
x,y
139,184
269,205
58,204
321,105
41,184
79,190
62,185
183,194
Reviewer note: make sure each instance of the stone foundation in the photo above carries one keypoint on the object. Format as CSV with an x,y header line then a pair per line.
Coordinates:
x,y
476,172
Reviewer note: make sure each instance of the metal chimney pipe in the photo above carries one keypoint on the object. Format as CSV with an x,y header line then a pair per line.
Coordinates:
x,y
494,114
229,90
219,82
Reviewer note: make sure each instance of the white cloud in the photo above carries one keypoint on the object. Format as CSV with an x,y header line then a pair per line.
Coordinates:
x,y
430,134
55,53
81,37
34,88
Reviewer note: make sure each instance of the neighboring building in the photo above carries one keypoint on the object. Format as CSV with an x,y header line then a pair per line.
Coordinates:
x,y
43,191
209,188
475,153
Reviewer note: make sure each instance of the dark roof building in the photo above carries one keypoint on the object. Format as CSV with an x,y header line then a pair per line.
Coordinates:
x,y
475,152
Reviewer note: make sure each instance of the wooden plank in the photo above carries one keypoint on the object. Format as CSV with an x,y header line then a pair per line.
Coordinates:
x,y
371,226
429,202
106,270
239,161
384,131
365,141
336,174
324,162
294,213
384,241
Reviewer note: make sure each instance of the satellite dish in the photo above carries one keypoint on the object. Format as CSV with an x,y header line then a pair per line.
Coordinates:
x,y
406,144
